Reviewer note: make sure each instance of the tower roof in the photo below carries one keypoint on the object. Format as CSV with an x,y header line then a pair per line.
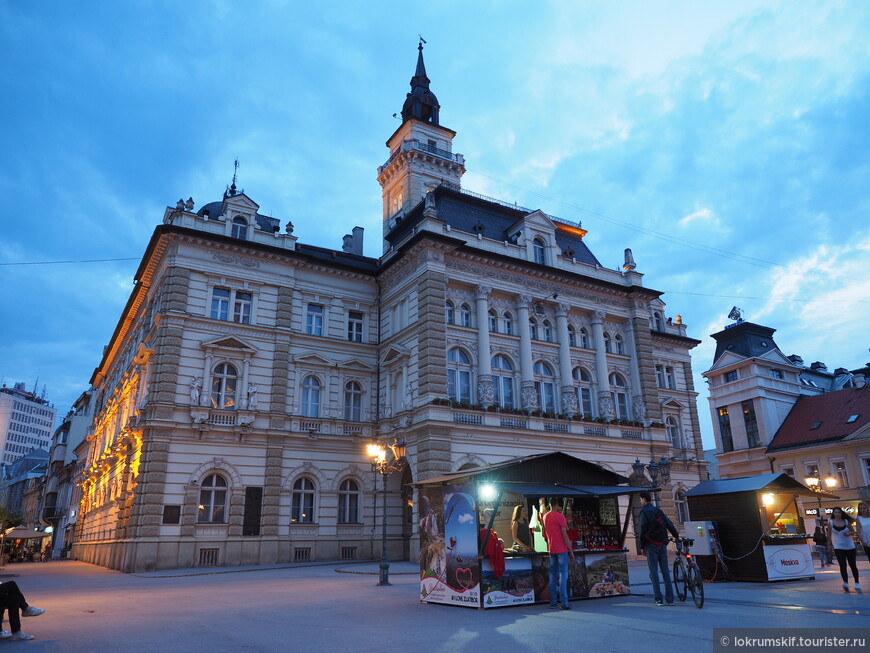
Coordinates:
x,y
421,103
745,339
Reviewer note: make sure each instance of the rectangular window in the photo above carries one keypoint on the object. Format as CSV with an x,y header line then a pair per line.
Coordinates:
x,y
459,385
730,376
839,469
546,396
725,430
314,320
171,514
865,462
789,471
660,376
504,391
355,326
812,470
242,307
621,405
220,304
586,401
776,374
672,380
751,423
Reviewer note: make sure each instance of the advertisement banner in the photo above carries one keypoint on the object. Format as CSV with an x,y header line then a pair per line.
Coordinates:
x,y
789,561
457,582
607,574
513,588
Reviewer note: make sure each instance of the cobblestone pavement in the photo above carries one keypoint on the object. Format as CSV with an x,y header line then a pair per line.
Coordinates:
x,y
316,608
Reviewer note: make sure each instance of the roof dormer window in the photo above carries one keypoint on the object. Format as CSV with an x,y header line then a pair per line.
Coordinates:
x,y
240,228
540,254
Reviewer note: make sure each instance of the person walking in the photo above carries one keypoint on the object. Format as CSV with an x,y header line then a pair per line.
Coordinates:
x,y
840,535
821,545
560,549
520,529
13,601
654,527
862,526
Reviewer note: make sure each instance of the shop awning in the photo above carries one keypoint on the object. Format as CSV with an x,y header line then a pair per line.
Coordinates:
x,y
760,483
24,534
562,490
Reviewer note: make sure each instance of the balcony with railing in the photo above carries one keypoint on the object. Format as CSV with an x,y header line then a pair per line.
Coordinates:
x,y
416,145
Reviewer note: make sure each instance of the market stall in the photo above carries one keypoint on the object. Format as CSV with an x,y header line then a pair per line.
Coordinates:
x,y
759,527
466,557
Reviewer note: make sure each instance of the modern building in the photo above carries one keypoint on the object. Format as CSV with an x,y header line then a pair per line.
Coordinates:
x,y
773,413
26,422
248,370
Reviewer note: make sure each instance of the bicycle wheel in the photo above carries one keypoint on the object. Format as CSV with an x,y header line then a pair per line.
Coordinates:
x,y
680,579
697,585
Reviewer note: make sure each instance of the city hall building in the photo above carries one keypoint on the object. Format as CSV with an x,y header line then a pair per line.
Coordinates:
x,y
248,369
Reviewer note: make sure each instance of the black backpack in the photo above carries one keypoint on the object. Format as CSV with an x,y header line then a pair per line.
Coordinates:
x,y
657,530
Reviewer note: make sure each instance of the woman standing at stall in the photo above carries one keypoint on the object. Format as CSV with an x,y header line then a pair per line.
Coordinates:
x,y
863,526
520,529
840,539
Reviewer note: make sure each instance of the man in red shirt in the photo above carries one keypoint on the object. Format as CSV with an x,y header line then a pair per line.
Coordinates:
x,y
560,549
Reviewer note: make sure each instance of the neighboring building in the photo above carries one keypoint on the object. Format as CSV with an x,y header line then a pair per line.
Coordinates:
x,y
17,479
248,370
772,413
26,422
57,508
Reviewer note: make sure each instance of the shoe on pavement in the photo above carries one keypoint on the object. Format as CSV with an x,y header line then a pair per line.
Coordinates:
x,y
30,611
5,634
845,587
553,606
20,636
857,587
659,602
565,607
670,604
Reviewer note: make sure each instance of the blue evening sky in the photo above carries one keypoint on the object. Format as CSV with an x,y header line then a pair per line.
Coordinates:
x,y
727,144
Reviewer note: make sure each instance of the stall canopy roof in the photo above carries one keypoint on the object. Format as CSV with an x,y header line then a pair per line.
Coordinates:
x,y
24,534
561,490
768,482
542,468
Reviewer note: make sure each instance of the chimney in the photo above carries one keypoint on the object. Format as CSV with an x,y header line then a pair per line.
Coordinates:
x,y
860,380
818,366
797,360
353,244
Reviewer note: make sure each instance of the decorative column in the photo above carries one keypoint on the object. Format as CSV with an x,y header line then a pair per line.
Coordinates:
x,y
485,392
242,392
528,396
568,396
605,398
637,401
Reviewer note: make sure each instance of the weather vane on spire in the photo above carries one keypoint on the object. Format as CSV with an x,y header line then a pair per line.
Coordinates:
x,y
232,189
422,41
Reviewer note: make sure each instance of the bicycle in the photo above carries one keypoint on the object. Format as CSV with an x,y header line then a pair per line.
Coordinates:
x,y
687,575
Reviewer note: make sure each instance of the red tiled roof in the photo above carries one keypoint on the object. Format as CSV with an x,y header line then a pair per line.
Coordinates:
x,y
831,409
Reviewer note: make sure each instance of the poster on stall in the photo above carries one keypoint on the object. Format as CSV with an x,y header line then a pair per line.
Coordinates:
x,y
453,579
578,587
607,574
513,588
788,561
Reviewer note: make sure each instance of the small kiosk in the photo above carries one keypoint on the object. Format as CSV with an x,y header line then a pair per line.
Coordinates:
x,y
466,559
758,524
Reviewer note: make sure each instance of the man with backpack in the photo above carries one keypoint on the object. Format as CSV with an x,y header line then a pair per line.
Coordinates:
x,y
654,527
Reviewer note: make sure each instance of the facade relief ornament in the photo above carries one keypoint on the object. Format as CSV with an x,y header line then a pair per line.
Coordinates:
x,y
485,389
569,400
562,309
605,405
639,407
598,316
529,396
482,292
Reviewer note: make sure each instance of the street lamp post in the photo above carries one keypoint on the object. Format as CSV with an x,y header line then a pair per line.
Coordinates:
x,y
378,455
656,468
815,484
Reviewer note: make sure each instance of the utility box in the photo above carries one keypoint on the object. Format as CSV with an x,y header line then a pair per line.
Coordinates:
x,y
703,533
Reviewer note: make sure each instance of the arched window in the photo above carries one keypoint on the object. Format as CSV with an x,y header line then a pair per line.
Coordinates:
x,y
658,322
607,346
458,375
620,396
212,500
353,402
547,331
493,321
240,228
310,396
465,315
583,383
533,329
619,344
503,381
450,317
223,386
508,324
302,507
673,430
545,384
584,338
572,336
348,502
539,251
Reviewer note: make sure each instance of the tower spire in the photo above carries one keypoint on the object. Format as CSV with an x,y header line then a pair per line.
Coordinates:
x,y
421,103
